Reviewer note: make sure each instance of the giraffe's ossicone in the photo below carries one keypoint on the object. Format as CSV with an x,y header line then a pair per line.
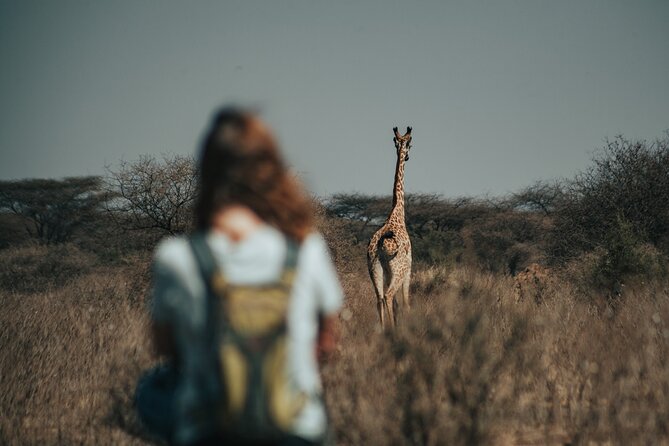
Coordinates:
x,y
389,250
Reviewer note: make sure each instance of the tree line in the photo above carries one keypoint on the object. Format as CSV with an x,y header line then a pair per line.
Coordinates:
x,y
148,194
617,208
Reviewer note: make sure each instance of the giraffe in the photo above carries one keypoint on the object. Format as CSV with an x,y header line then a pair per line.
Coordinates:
x,y
389,250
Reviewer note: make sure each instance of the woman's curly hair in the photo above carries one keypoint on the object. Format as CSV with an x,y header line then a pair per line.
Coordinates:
x,y
240,163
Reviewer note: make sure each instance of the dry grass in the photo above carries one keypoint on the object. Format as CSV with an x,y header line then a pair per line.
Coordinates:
x,y
69,358
472,365
468,365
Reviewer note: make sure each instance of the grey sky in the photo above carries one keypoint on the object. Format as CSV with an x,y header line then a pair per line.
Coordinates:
x,y
499,93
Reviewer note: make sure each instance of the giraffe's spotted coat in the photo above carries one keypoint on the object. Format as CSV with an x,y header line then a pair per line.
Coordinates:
x,y
389,251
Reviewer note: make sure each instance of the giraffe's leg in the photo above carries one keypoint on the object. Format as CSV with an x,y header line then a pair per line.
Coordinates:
x,y
376,273
380,307
405,290
390,302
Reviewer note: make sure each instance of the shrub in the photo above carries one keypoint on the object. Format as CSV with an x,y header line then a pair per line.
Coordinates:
x,y
507,241
627,184
437,248
37,267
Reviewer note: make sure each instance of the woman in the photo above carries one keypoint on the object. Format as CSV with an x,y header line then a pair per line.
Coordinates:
x,y
250,212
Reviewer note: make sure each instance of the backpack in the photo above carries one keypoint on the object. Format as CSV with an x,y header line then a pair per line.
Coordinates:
x,y
246,333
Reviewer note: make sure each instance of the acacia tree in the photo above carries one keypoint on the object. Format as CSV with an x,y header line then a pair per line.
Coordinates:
x,y
154,193
53,209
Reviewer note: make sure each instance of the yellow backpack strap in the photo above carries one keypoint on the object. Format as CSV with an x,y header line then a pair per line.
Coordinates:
x,y
290,263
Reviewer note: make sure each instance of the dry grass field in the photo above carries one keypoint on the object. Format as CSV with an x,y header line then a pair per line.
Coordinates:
x,y
472,363
537,318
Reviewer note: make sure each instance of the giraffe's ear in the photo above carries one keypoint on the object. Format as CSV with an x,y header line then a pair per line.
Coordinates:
x,y
397,134
408,131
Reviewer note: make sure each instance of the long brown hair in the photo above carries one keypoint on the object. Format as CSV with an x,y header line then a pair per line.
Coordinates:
x,y
240,163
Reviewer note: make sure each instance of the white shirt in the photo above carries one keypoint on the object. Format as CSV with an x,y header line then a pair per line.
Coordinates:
x,y
179,295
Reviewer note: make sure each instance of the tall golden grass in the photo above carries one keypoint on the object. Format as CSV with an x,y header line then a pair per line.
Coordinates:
x,y
470,364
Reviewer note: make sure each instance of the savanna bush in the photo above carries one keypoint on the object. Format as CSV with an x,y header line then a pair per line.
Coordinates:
x,y
626,184
33,268
507,241
438,248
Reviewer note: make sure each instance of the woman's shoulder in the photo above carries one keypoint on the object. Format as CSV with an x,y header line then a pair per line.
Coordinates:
x,y
173,253
314,252
316,265
314,242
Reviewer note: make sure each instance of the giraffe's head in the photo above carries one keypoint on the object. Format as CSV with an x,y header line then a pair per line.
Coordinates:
x,y
402,143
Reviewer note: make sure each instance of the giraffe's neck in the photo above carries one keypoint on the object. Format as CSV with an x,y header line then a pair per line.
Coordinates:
x,y
397,213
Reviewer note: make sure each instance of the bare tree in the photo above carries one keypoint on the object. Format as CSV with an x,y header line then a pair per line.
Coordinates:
x,y
53,209
153,193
